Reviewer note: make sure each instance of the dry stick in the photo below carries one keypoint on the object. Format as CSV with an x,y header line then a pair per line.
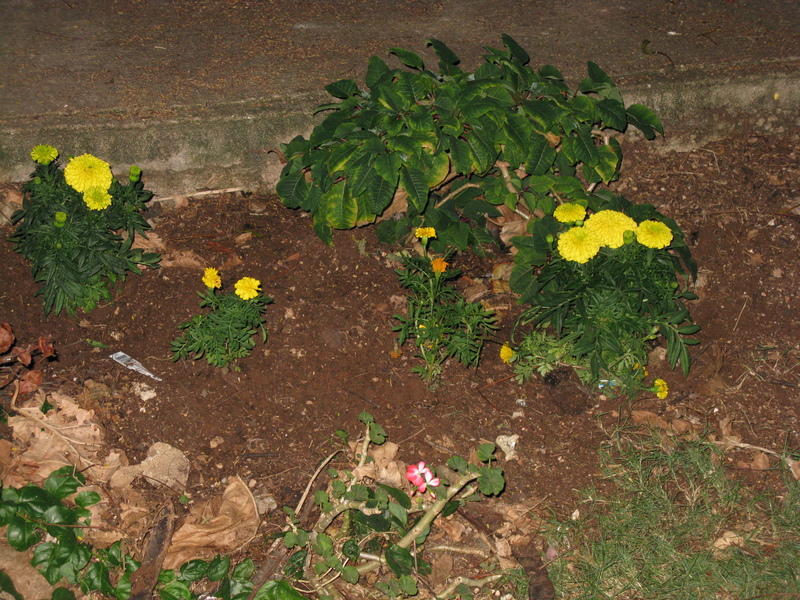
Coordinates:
x,y
726,441
468,581
201,194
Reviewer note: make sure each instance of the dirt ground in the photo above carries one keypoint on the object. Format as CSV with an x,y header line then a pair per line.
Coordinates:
x,y
330,356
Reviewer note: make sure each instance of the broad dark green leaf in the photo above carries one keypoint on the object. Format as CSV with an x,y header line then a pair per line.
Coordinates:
x,y
399,495
292,189
607,163
613,114
409,59
63,483
7,586
448,59
21,534
413,182
343,88
399,560
645,120
540,155
341,207
278,590
87,498
377,70
516,50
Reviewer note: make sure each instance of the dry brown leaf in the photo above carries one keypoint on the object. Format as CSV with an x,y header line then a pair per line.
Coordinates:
x,y
475,292
243,238
795,468
441,567
760,462
182,258
725,541
452,528
6,337
384,468
30,382
399,205
233,260
66,435
234,524
646,417
164,466
152,243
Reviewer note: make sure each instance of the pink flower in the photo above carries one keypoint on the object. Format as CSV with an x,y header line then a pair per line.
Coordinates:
x,y
416,474
421,477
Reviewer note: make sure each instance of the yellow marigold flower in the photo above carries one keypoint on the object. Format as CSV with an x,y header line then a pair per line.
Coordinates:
x,y
97,198
44,154
660,388
211,278
654,234
439,265
610,226
506,353
424,233
569,212
87,171
247,288
579,244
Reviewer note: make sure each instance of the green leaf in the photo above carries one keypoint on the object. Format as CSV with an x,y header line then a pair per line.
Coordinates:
x,y
540,155
63,594
278,590
399,513
447,59
458,464
491,481
413,182
481,143
515,49
21,534
193,570
377,434
243,571
613,113
597,74
343,88
399,495
351,549
218,567
607,163
399,560
87,498
342,208
377,70
292,189
350,574
409,59
486,452
63,482
645,120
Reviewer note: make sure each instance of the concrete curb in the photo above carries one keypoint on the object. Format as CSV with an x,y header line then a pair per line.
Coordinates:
x,y
183,149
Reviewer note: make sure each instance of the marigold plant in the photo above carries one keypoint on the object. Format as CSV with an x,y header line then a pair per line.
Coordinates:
x,y
71,228
225,333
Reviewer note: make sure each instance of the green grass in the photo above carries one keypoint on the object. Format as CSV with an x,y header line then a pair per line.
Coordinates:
x,y
653,536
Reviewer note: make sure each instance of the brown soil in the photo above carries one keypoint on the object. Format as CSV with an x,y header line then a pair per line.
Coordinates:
x,y
329,352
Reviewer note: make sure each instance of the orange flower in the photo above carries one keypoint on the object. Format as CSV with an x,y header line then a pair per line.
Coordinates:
x,y
439,265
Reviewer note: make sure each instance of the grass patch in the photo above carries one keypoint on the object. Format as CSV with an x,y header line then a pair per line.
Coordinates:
x,y
678,526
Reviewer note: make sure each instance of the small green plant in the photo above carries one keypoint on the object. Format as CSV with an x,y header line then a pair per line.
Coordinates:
x,y
606,286
69,229
225,333
380,527
439,319
677,525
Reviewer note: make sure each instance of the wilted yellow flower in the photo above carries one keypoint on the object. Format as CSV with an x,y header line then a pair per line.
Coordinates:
x,y
506,353
579,244
44,154
439,265
87,171
660,388
97,198
654,234
610,226
569,212
211,278
425,233
247,288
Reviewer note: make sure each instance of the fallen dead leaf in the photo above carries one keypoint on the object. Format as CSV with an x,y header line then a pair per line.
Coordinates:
x,y
384,468
760,462
725,541
182,258
646,417
243,238
6,337
232,525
